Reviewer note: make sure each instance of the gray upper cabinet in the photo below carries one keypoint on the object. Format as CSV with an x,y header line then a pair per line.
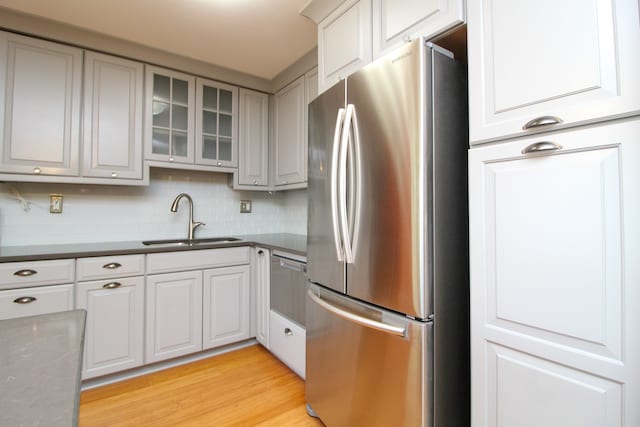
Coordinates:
x,y
216,124
253,147
113,100
169,111
290,142
40,87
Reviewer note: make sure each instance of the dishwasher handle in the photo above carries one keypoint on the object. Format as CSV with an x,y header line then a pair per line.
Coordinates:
x,y
293,265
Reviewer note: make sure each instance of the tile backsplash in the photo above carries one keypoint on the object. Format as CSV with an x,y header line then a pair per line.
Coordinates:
x,y
98,213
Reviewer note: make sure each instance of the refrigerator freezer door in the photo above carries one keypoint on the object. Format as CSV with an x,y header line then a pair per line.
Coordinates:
x,y
325,252
366,366
390,232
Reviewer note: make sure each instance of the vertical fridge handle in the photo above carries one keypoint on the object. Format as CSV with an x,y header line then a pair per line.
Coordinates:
x,y
344,148
334,184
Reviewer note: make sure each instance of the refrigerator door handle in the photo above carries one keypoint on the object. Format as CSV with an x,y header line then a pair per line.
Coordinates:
x,y
344,149
334,184
360,320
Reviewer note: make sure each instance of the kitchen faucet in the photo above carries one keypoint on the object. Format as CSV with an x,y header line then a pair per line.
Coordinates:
x,y
192,225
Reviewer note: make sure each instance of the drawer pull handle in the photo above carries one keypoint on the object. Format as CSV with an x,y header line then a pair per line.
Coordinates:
x,y
25,273
112,265
288,332
112,285
542,121
24,300
541,146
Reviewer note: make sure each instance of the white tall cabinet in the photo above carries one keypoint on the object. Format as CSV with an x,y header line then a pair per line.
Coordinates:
x,y
554,279
569,62
40,87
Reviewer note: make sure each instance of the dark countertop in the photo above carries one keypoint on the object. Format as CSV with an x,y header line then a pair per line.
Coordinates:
x,y
293,243
40,370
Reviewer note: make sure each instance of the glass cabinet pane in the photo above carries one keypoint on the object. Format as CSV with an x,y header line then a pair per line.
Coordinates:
x,y
224,147
209,122
225,125
225,101
160,114
161,88
209,147
179,117
180,91
160,141
209,98
179,146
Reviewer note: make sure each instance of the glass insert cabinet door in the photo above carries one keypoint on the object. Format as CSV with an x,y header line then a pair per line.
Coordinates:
x,y
216,123
170,103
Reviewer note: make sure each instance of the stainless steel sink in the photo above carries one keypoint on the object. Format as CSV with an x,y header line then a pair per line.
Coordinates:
x,y
189,242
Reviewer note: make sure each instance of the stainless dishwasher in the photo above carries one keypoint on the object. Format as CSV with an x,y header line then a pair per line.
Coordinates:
x,y
288,286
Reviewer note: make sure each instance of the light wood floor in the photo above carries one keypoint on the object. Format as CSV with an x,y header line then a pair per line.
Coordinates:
x,y
247,387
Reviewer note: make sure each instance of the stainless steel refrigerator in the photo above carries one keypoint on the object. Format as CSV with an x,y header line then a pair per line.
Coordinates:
x,y
387,300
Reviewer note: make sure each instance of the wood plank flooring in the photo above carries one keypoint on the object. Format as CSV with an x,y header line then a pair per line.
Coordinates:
x,y
246,387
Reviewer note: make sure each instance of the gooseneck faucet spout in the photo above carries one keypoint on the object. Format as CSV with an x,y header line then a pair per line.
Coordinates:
x,y
192,225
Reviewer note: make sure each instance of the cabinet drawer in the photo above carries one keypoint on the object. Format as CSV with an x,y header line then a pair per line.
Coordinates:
x,y
38,300
36,273
110,266
287,342
195,260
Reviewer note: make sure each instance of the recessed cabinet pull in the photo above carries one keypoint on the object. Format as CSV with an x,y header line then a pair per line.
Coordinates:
x,y
112,265
541,146
25,273
288,332
112,285
542,121
24,300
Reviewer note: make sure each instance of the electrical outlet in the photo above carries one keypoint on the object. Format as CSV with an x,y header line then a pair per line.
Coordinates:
x,y
55,203
245,206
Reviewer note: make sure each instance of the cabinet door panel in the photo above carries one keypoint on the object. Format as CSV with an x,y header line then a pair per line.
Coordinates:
x,y
290,158
40,86
344,42
113,93
553,277
226,306
533,392
394,20
576,60
115,325
253,142
173,315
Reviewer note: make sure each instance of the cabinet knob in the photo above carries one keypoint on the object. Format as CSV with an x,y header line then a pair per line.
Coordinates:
x,y
112,285
541,146
255,182
288,332
114,175
260,252
171,159
112,265
25,273
542,121
24,300
219,163
36,170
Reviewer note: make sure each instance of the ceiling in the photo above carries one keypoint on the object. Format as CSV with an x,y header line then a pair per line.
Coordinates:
x,y
257,37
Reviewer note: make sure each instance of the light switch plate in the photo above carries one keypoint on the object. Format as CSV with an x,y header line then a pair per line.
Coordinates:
x,y
245,206
55,203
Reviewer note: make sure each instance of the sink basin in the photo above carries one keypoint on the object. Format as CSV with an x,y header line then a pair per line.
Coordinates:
x,y
187,242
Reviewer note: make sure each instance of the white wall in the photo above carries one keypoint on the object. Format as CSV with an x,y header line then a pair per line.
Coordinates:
x,y
97,213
